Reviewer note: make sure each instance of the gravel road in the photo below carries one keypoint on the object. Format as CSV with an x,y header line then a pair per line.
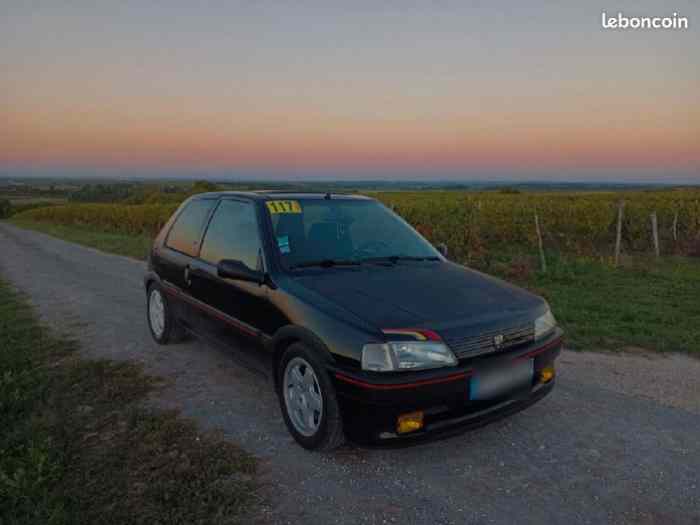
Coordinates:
x,y
618,441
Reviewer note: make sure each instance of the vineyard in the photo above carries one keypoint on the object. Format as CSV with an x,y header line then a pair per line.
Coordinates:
x,y
132,219
473,224
642,302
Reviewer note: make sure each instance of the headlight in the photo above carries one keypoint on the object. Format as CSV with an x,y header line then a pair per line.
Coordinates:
x,y
406,355
545,324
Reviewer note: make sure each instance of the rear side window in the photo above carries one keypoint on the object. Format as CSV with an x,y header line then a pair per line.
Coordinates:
x,y
232,234
185,233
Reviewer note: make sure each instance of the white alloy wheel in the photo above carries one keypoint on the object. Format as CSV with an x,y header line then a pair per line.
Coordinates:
x,y
302,396
156,312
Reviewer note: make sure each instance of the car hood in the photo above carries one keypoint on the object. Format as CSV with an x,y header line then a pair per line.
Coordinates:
x,y
436,295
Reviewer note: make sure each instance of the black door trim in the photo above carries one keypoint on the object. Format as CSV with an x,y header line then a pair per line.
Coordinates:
x,y
245,328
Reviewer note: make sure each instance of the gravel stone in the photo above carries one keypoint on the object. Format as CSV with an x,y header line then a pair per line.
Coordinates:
x,y
618,441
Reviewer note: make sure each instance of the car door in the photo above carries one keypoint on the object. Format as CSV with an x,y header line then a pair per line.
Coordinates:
x,y
231,308
179,250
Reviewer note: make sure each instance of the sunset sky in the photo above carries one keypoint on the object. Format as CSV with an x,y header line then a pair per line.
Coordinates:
x,y
384,89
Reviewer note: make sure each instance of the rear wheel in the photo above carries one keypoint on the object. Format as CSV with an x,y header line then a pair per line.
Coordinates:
x,y
308,400
164,327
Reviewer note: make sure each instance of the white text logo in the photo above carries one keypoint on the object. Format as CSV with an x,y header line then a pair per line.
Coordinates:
x,y
644,22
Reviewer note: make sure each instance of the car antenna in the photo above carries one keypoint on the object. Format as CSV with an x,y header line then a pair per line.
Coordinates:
x,y
327,196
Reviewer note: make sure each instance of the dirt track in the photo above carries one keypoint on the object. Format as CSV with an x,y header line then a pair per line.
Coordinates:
x,y
618,441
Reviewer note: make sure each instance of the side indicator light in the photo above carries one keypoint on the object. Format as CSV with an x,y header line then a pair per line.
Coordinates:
x,y
547,374
409,422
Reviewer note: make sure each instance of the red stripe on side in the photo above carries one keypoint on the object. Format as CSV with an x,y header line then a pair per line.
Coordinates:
x,y
414,384
209,310
169,291
537,351
224,318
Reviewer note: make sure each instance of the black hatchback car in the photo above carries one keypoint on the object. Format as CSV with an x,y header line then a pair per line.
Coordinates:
x,y
365,328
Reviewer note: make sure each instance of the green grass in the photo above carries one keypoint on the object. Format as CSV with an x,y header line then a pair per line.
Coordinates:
x,y
644,303
136,246
77,447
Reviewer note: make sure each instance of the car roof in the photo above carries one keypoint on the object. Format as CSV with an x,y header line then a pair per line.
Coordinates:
x,y
265,195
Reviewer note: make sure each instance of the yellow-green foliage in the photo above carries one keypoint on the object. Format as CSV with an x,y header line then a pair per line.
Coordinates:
x,y
581,223
118,218
472,224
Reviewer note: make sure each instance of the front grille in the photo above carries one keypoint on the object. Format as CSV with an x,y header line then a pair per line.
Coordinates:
x,y
465,346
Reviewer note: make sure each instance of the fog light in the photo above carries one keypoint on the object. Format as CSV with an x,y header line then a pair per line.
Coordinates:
x,y
409,422
547,374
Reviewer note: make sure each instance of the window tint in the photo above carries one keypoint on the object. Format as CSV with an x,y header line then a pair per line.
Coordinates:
x,y
232,234
185,233
319,229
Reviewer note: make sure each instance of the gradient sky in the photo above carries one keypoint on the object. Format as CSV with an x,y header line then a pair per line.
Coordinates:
x,y
432,89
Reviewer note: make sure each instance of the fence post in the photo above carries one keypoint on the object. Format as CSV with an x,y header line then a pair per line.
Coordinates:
x,y
674,228
618,239
543,261
655,232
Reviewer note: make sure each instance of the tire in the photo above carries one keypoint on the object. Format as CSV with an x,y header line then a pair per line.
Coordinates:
x,y
169,331
326,431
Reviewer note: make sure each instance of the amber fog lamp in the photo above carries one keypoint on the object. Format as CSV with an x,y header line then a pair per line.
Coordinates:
x,y
547,374
409,422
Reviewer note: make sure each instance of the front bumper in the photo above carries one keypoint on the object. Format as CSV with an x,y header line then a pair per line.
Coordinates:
x,y
372,402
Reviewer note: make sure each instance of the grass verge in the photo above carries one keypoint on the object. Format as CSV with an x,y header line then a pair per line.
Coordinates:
x,y
643,304
76,446
136,246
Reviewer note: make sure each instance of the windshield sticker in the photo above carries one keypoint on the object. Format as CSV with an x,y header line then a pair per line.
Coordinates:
x,y
283,206
283,243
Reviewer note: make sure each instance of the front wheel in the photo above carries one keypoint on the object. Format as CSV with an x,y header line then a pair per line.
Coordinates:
x,y
308,400
164,327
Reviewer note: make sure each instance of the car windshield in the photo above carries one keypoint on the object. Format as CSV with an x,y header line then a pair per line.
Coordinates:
x,y
335,232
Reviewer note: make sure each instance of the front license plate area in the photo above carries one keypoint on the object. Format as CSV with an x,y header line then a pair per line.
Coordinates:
x,y
499,381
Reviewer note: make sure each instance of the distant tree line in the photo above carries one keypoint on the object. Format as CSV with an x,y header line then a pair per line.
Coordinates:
x,y
101,193
139,193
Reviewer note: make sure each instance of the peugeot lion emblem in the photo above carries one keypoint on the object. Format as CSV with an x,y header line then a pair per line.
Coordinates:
x,y
498,340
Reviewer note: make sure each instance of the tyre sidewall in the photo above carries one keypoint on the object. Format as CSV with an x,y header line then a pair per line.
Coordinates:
x,y
330,415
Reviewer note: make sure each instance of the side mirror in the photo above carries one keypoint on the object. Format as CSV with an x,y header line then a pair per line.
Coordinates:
x,y
233,269
442,248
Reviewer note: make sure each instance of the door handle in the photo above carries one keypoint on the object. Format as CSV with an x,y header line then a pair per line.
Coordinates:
x,y
188,276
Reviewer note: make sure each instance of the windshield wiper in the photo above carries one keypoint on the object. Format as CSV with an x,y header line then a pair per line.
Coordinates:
x,y
326,263
396,258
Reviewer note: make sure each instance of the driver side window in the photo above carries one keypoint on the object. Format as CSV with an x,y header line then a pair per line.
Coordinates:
x,y
232,234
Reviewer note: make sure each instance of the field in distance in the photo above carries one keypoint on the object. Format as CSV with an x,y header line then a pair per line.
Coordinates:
x,y
644,302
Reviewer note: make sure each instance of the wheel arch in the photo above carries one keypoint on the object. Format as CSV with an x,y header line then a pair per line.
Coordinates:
x,y
291,334
150,278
